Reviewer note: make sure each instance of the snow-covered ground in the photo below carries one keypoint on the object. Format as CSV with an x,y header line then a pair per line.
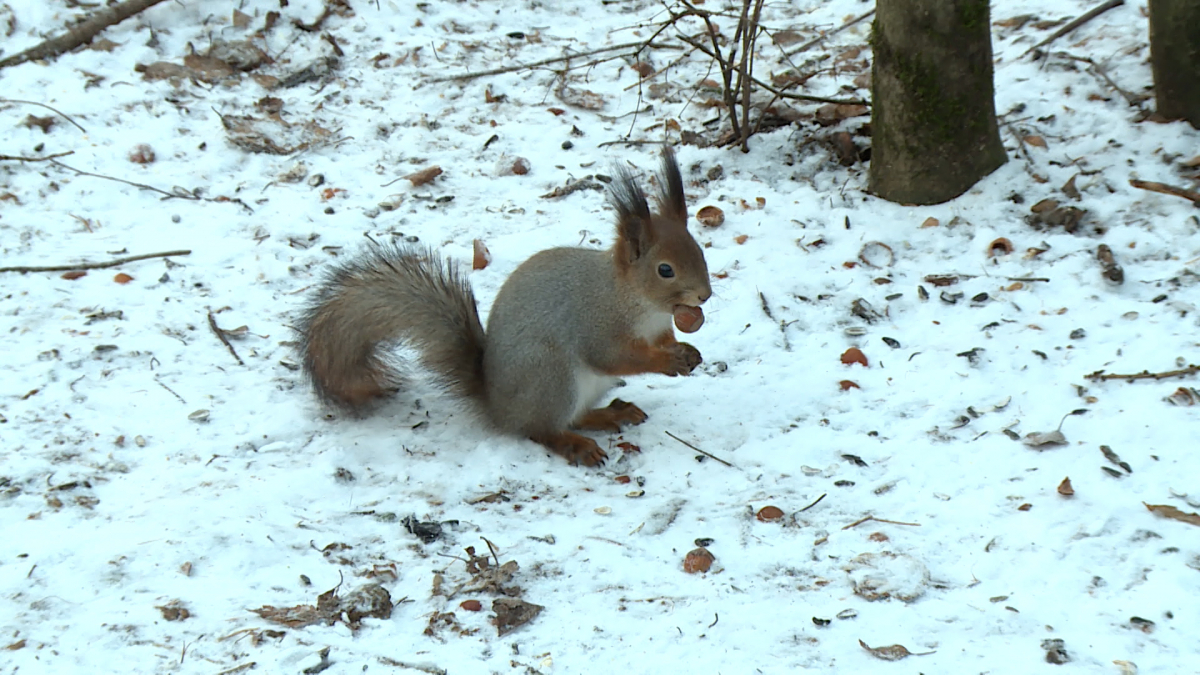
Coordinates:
x,y
154,491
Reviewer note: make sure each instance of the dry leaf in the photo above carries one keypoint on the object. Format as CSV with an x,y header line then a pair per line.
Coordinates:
x,y
644,69
471,605
1065,489
854,355
424,176
19,644
482,255
122,278
847,385
741,238
890,652
1025,507
580,98
71,276
930,222
1038,438
1165,511
1044,206
240,19
512,613
1036,141
1070,190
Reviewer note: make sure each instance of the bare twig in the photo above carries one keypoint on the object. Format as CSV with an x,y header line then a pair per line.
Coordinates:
x,y
1083,18
812,504
177,193
1100,375
54,110
1165,189
824,36
212,323
16,158
93,266
707,454
80,34
641,44
781,93
860,521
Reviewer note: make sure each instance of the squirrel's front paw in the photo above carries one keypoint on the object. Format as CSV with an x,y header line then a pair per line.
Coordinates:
x,y
684,359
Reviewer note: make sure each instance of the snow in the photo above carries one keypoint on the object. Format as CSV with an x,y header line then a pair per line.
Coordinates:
x,y
117,499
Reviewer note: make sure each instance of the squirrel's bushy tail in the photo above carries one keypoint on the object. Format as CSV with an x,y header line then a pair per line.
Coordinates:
x,y
385,296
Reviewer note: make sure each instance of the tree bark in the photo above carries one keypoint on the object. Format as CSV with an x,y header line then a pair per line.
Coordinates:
x,y
1175,58
933,123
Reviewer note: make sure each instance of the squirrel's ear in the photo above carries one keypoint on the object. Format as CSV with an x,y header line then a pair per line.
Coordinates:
x,y
634,233
671,202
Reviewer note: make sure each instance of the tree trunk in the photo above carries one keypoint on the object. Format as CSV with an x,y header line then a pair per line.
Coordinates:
x,y
933,119
1175,58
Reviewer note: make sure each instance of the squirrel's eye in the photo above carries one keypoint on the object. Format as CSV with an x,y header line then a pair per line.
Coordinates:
x,y
665,271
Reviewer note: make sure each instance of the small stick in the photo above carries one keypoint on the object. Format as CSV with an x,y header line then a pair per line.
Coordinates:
x,y
178,193
16,158
237,669
1167,190
93,266
160,383
1100,375
81,34
212,323
535,64
812,504
860,521
55,110
707,454
816,41
1083,18
1028,279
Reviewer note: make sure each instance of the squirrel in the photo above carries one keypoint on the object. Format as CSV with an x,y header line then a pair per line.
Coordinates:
x,y
564,327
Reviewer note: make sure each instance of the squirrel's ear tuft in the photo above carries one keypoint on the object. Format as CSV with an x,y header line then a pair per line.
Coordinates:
x,y
633,214
671,202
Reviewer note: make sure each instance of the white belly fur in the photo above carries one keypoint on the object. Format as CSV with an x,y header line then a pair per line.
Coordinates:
x,y
590,386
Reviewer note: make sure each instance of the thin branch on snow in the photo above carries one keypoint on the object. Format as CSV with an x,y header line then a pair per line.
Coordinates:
x,y
54,110
1100,375
95,265
80,34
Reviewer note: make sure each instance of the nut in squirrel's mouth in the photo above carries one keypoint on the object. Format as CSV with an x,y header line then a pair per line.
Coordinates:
x,y
688,319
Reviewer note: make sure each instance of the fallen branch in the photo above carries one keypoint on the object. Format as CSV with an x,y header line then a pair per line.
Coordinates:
x,y
80,34
93,265
17,158
867,519
707,454
177,193
1165,189
824,36
54,110
1100,375
212,323
524,66
1084,18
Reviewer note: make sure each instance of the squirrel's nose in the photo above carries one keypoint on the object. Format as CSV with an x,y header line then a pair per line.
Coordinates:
x,y
704,297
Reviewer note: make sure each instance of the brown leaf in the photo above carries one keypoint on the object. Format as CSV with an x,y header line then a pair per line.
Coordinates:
x,y
847,385
1070,190
854,355
240,18
890,652
424,176
73,275
19,644
741,238
1044,206
482,255
1025,507
512,613
644,69
174,611
103,45
785,37
832,113
1165,511
122,278
1065,489
1192,163
1036,141
471,605
580,98
941,279
930,222
999,247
